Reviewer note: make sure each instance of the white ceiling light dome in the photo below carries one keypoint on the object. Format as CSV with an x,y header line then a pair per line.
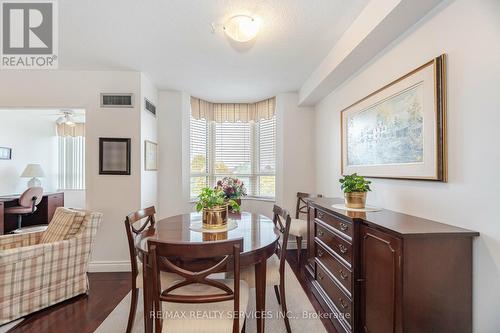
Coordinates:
x,y
242,28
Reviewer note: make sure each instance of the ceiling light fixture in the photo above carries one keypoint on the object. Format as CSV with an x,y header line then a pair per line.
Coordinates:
x,y
241,28
66,118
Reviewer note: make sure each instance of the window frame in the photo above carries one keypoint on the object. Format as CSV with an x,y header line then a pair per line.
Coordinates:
x,y
255,175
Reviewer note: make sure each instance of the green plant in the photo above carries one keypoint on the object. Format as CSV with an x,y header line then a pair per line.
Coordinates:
x,y
354,183
210,198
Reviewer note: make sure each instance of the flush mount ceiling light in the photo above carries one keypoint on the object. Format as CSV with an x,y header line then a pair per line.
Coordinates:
x,y
241,28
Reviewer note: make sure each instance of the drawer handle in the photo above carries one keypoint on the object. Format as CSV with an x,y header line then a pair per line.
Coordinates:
x,y
320,215
343,304
343,248
320,253
343,226
320,233
343,275
320,276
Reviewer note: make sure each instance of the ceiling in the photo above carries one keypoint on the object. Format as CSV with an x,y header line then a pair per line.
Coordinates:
x,y
172,43
46,113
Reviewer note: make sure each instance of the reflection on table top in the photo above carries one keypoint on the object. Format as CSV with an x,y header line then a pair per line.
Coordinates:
x,y
256,230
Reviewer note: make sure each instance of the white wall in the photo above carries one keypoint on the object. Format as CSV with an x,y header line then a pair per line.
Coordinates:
x,y
296,155
468,31
33,140
114,196
149,131
173,136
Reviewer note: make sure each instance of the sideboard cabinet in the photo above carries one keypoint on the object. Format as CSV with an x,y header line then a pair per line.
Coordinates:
x,y
387,272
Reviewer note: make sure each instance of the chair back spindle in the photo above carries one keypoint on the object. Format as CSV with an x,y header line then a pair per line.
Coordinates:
x,y
302,207
169,253
130,220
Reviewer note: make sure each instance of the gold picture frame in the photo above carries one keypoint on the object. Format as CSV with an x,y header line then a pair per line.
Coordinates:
x,y
150,155
426,157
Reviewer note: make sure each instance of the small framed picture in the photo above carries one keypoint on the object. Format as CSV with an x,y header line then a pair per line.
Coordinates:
x,y
150,156
114,156
5,153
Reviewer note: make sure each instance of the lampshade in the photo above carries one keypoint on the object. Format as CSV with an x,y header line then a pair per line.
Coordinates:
x,y
33,170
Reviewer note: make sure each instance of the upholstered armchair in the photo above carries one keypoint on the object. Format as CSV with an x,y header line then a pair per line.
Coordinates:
x,y
40,269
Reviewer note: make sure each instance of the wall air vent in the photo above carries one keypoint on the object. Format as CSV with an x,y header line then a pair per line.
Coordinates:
x,y
117,100
149,106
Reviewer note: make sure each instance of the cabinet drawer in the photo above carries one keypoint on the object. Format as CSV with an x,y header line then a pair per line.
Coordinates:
x,y
337,297
342,226
339,271
335,243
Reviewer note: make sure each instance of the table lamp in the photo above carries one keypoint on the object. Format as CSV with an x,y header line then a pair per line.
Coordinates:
x,y
33,171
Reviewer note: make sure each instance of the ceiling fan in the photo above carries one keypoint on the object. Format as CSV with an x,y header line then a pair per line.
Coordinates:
x,y
66,118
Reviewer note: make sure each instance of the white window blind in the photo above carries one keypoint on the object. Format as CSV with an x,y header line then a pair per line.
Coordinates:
x,y
245,150
198,154
71,162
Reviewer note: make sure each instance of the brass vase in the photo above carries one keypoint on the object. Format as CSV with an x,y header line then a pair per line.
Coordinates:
x,y
215,218
355,200
214,236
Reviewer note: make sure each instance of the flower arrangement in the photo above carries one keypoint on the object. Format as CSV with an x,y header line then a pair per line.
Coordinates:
x,y
213,199
233,188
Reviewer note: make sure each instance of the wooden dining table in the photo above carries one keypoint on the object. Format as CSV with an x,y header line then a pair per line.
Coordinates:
x,y
260,239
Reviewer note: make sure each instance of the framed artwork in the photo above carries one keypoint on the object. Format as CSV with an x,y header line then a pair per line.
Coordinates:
x,y
5,153
150,155
114,156
399,131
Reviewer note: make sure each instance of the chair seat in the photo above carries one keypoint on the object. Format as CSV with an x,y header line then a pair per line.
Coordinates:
x,y
18,210
298,228
216,317
166,278
247,274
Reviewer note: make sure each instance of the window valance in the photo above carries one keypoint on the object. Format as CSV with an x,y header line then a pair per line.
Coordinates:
x,y
66,130
233,112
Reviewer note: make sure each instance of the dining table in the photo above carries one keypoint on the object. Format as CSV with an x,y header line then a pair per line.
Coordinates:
x,y
260,239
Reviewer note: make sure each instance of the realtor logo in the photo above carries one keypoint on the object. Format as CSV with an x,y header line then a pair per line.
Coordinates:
x,y
29,34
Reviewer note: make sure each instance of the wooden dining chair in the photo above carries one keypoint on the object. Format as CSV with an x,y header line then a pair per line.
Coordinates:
x,y
148,215
299,226
275,272
197,292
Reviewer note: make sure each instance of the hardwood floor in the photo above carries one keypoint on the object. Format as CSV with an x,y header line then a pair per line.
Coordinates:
x,y
83,314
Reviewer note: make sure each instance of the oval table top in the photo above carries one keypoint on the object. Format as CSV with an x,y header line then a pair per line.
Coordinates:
x,y
257,231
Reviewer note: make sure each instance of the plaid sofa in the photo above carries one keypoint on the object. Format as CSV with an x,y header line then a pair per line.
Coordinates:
x,y
34,275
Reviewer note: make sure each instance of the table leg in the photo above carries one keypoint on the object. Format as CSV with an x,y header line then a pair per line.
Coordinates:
x,y
146,288
260,294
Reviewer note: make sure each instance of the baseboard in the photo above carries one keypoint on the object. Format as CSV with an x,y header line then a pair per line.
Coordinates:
x,y
109,266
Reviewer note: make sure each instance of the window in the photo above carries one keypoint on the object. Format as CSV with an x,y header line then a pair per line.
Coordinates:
x,y
71,162
245,150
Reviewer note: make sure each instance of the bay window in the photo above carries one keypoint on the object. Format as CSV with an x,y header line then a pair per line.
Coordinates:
x,y
236,140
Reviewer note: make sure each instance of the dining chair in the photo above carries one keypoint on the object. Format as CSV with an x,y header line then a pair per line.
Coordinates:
x,y
147,214
298,227
275,267
197,292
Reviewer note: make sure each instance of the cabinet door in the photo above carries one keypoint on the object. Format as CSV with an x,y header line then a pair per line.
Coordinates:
x,y
54,201
380,273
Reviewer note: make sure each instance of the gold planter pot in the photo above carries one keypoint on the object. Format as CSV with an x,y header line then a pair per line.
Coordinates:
x,y
355,200
215,218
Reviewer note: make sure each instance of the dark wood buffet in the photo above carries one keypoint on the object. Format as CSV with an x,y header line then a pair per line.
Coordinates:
x,y
383,272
